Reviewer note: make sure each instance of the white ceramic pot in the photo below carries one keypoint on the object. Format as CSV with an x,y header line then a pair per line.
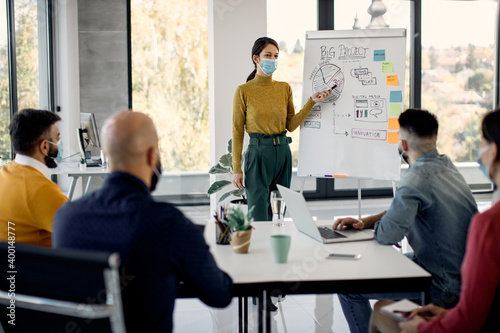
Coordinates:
x,y
234,203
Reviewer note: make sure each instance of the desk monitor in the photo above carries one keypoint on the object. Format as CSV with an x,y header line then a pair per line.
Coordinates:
x,y
87,135
89,127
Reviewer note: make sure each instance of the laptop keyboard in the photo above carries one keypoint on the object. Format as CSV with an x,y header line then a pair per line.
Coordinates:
x,y
329,233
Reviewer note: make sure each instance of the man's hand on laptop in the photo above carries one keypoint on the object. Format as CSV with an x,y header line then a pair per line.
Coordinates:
x,y
348,222
364,223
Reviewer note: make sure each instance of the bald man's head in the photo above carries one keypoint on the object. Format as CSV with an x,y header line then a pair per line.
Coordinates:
x,y
128,136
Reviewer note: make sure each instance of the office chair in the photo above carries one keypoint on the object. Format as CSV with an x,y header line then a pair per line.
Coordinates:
x,y
59,290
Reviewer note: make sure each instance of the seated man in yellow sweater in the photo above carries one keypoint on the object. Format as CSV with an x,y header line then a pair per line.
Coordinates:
x,y
29,198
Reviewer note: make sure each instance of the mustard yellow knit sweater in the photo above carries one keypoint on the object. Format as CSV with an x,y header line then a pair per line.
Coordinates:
x,y
29,203
264,106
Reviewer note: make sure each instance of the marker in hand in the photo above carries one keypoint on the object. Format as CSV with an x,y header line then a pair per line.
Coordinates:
x,y
334,86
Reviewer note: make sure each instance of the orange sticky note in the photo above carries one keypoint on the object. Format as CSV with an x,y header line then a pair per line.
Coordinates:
x,y
393,124
392,80
392,137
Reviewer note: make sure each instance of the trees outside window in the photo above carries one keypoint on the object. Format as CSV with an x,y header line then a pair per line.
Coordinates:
x,y
170,77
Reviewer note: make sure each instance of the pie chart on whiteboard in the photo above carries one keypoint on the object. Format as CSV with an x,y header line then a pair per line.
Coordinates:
x,y
326,77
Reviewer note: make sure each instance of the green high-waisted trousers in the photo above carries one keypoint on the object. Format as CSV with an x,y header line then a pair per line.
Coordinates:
x,y
268,161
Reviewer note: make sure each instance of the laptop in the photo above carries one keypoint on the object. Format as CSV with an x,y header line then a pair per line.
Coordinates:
x,y
296,204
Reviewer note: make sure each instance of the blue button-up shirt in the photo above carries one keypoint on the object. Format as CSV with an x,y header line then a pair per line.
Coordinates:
x,y
433,206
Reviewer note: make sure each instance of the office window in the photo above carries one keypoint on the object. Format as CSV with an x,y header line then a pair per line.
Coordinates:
x,y
458,58
5,150
27,56
349,14
170,77
288,27
28,84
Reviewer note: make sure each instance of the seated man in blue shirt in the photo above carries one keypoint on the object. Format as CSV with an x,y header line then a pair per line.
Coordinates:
x,y
432,207
158,245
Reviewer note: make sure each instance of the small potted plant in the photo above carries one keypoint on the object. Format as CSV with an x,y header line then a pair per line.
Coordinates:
x,y
225,166
241,229
83,166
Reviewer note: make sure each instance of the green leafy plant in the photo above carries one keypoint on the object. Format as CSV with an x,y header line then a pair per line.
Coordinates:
x,y
238,220
225,166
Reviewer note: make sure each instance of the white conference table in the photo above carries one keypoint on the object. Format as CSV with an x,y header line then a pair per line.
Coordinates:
x,y
73,171
380,269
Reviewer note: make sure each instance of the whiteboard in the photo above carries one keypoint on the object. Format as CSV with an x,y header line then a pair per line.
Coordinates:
x,y
354,133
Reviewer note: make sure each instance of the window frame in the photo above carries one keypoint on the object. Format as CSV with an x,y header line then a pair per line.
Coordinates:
x,y
46,46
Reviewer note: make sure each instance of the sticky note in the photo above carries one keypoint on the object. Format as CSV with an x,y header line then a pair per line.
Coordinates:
x,y
392,80
393,124
378,55
392,137
395,109
396,96
387,67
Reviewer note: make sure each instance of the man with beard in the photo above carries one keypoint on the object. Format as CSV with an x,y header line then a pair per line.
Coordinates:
x,y
29,198
158,245
432,207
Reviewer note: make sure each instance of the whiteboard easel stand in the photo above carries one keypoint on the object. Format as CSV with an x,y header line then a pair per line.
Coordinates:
x,y
359,198
301,191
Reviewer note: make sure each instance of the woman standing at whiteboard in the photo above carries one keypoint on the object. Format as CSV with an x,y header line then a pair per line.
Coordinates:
x,y
265,107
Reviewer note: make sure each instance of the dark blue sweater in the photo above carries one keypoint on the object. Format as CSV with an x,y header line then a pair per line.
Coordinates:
x,y
158,245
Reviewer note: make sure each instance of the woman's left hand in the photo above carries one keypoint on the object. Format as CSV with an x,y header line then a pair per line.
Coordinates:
x,y
321,96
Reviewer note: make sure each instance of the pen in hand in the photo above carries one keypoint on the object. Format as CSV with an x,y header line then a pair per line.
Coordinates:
x,y
407,313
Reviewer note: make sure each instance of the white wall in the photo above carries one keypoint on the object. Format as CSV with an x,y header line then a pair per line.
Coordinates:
x,y
67,76
233,27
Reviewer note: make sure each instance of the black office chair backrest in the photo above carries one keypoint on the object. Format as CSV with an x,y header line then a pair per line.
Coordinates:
x,y
59,290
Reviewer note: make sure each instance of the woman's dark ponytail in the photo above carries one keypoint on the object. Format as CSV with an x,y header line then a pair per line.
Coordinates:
x,y
252,75
257,48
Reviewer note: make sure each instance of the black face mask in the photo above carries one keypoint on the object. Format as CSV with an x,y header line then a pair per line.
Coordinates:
x,y
50,158
156,176
403,155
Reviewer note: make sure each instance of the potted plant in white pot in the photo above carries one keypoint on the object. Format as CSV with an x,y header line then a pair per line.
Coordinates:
x,y
83,165
225,166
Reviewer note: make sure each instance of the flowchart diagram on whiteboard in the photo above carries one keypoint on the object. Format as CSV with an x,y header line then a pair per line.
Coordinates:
x,y
353,133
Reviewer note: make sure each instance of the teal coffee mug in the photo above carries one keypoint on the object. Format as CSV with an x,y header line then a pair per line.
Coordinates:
x,y
280,244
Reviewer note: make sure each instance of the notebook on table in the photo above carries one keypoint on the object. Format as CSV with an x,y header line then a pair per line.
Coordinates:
x,y
401,309
304,222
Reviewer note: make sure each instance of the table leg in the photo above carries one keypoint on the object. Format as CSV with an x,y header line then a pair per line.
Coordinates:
x,y
72,185
261,303
267,312
245,314
89,181
240,314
